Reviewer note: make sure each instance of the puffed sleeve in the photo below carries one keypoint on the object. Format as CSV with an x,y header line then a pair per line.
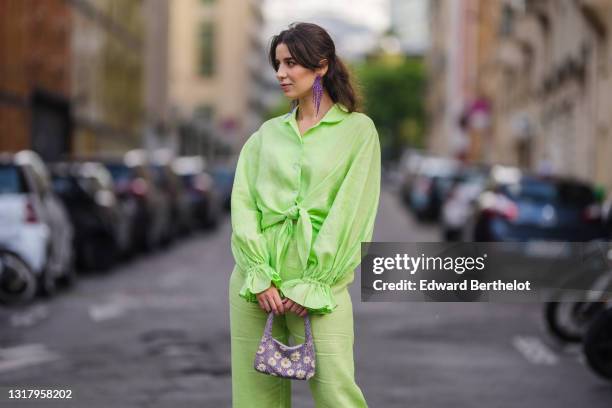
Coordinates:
x,y
336,250
248,245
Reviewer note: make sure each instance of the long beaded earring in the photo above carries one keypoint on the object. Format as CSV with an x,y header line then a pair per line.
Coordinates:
x,y
317,92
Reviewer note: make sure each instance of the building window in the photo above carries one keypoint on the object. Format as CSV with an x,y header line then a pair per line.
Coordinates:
x,y
507,21
207,49
205,112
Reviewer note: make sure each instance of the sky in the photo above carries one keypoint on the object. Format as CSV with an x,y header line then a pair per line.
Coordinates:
x,y
355,25
371,13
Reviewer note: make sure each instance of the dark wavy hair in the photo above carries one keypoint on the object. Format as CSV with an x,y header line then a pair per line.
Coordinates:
x,y
308,44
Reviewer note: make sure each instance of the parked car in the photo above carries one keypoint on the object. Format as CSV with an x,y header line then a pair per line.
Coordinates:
x,y
135,188
409,165
204,197
460,203
523,207
223,176
102,230
35,225
431,185
170,185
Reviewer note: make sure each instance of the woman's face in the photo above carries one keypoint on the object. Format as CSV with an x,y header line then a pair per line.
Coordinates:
x,y
295,80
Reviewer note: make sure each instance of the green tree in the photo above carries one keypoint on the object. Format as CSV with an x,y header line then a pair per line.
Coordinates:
x,y
393,90
280,108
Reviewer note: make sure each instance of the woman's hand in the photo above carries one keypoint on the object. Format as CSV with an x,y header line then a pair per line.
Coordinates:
x,y
294,307
270,300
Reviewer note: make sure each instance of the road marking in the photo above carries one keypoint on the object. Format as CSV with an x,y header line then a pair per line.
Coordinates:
x,y
99,313
30,316
13,358
534,350
118,304
173,280
115,307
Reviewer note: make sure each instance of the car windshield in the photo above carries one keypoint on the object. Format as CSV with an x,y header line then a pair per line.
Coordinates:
x,y
119,172
11,180
564,193
63,185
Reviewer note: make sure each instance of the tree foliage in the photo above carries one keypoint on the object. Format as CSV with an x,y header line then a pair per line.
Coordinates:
x,y
393,91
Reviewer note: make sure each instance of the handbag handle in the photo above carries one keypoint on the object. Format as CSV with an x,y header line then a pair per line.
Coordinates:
x,y
307,328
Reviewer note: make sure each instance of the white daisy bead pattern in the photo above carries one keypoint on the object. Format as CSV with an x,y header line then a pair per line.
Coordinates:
x,y
277,355
261,367
306,359
285,363
290,372
271,361
300,373
261,349
295,356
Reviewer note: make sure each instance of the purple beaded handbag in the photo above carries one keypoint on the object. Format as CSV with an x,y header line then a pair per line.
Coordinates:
x,y
279,360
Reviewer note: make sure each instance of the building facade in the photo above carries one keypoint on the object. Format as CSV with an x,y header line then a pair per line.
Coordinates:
x,y
555,67
216,65
108,50
35,69
537,84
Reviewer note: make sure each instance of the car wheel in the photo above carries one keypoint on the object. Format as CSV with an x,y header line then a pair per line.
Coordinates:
x,y
18,286
451,235
107,252
47,283
69,278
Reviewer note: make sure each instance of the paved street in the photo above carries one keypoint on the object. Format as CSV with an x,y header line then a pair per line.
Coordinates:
x,y
155,333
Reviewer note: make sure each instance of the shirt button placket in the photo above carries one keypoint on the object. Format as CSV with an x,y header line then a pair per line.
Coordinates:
x,y
297,167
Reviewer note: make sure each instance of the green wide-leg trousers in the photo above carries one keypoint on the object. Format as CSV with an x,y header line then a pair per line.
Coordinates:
x,y
333,385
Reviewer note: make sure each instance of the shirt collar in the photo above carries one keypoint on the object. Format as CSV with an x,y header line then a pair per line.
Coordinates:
x,y
335,114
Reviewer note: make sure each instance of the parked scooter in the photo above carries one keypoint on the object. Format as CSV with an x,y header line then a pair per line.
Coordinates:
x,y
597,344
569,315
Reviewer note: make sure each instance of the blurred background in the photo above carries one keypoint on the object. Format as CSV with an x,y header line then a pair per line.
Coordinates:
x,y
120,125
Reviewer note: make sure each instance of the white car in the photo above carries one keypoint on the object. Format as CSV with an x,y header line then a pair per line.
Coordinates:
x,y
458,208
33,222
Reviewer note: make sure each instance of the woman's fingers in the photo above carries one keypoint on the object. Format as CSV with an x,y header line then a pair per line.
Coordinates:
x,y
264,303
289,305
277,302
272,304
270,300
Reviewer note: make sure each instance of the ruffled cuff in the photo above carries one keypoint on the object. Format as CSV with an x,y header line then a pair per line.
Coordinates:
x,y
315,296
257,280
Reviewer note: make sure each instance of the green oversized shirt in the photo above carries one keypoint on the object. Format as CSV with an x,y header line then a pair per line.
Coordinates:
x,y
320,189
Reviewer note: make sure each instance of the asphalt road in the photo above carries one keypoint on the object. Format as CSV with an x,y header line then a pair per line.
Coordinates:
x,y
155,333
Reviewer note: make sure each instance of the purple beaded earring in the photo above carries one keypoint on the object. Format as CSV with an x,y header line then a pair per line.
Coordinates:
x,y
317,92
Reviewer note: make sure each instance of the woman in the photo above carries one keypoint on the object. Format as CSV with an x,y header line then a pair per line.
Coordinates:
x,y
305,196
